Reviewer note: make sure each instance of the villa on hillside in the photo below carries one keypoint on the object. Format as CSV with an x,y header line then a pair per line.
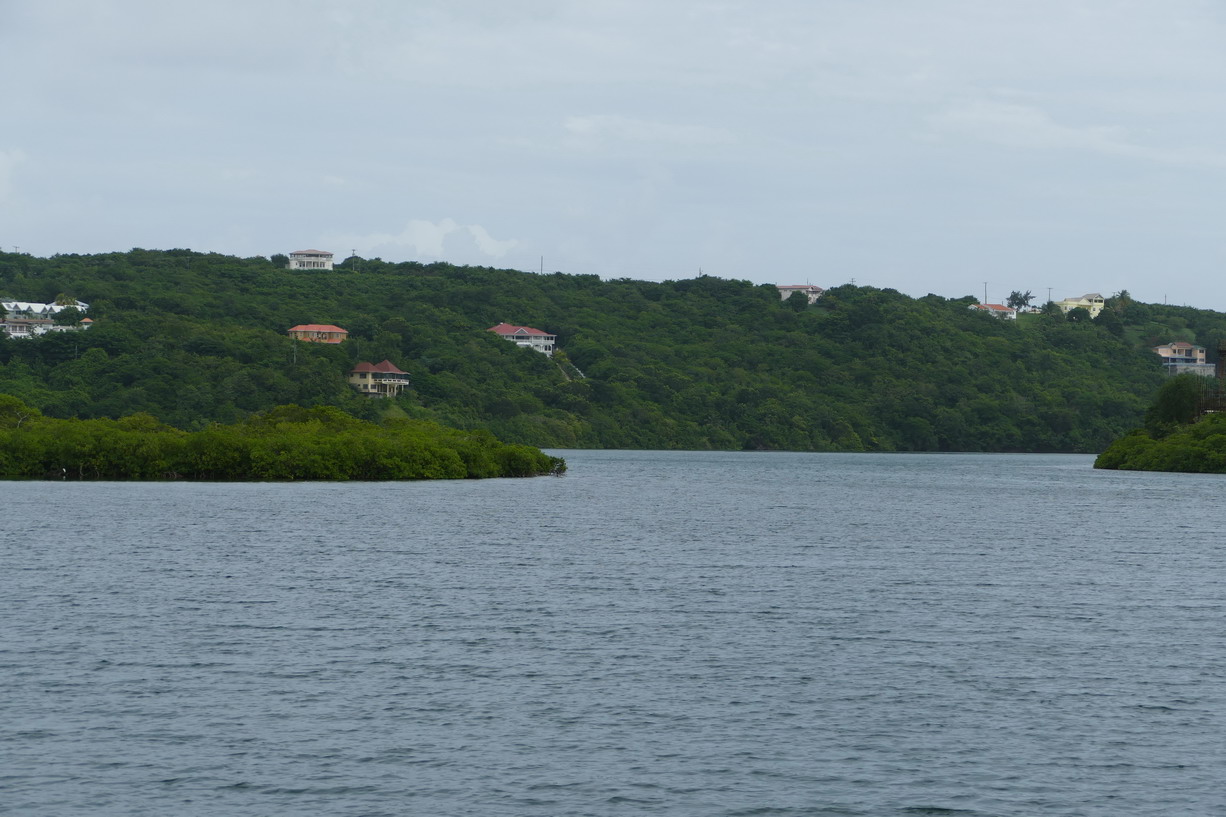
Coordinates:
x,y
527,337
1182,357
378,379
1005,313
318,333
310,259
1092,302
25,319
811,292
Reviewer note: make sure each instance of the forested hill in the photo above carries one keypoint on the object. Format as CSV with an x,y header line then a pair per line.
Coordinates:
x,y
193,338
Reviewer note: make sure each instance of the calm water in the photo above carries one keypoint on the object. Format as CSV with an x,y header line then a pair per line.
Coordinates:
x,y
653,634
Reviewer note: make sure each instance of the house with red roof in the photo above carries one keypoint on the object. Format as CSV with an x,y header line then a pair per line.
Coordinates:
x,y
527,337
378,379
318,333
1006,313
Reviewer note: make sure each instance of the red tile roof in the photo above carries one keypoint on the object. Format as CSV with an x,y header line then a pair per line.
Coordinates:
x,y
387,367
508,329
317,327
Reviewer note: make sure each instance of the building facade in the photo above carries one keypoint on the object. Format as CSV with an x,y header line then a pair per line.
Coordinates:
x,y
1005,313
310,259
811,292
1091,302
318,333
1182,357
25,319
527,337
378,379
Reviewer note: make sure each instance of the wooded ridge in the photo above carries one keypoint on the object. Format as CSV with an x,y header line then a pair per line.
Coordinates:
x,y
195,338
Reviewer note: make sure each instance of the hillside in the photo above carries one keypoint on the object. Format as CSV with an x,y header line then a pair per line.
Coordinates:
x,y
193,338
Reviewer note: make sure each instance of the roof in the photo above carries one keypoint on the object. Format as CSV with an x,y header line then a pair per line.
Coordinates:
x,y
994,307
310,252
799,286
317,327
508,329
386,367
1179,344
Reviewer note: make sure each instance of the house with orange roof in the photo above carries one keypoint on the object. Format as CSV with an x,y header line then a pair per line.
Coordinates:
x,y
1005,313
318,333
378,379
526,337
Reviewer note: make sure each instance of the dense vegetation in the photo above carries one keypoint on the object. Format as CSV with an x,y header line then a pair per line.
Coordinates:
x,y
286,443
193,339
1178,435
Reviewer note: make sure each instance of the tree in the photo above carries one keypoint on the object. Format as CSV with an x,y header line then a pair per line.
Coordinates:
x,y
1178,402
1110,320
1079,314
63,299
68,316
1018,300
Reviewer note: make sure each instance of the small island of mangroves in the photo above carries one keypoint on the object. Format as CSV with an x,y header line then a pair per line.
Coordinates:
x,y
284,443
1184,431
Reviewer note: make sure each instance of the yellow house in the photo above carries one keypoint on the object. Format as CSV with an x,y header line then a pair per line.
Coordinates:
x,y
1092,302
378,379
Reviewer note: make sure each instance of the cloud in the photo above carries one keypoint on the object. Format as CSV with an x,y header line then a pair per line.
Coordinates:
x,y
1028,127
423,239
622,128
489,245
9,160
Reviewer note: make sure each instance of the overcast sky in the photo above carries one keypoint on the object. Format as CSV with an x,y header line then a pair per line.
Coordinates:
x,y
924,145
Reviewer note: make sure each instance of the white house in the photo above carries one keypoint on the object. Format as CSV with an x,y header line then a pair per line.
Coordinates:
x,y
26,319
1005,313
310,259
526,336
812,293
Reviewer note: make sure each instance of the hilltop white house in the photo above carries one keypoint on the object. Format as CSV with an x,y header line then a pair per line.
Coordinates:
x,y
310,259
811,292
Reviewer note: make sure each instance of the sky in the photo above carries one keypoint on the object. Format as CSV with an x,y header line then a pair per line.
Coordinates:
x,y
946,146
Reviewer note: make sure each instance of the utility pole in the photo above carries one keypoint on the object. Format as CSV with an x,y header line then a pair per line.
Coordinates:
x,y
985,292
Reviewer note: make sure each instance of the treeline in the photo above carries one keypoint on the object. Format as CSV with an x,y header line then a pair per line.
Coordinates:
x,y
1184,431
285,443
707,363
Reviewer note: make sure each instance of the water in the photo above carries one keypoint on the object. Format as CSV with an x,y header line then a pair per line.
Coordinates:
x,y
652,634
